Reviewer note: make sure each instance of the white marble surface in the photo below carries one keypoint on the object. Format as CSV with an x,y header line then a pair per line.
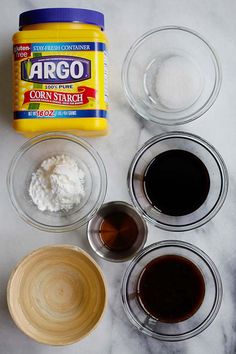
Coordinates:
x,y
125,21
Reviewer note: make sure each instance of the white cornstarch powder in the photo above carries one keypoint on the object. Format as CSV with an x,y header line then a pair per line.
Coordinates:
x,y
178,82
58,184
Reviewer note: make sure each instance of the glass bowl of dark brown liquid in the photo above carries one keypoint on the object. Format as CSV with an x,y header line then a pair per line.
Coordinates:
x,y
117,232
178,181
171,291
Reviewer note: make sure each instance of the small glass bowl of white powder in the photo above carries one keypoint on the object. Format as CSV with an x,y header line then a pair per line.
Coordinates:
x,y
57,182
171,75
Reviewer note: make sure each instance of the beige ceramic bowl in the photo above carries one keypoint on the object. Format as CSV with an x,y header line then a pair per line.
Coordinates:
x,y
57,294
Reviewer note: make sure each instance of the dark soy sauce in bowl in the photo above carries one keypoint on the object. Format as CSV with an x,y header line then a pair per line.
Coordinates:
x,y
176,182
171,288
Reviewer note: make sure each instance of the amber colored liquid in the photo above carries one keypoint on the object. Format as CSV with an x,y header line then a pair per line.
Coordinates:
x,y
171,288
118,231
176,182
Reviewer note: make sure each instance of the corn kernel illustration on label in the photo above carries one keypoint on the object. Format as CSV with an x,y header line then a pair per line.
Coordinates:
x,y
60,80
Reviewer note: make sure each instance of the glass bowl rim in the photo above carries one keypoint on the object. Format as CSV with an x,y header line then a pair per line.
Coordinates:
x,y
170,122
27,146
122,205
217,281
220,163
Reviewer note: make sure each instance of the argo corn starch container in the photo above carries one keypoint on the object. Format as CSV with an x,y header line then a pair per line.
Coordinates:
x,y
60,72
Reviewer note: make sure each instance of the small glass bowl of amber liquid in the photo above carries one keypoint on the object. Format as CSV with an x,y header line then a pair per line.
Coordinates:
x,y
117,232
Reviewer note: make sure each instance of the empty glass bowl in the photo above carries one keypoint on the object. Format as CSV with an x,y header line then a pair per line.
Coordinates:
x,y
190,327
210,158
171,75
28,159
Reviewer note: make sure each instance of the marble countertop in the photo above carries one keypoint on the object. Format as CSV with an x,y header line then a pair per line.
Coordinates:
x,y
125,21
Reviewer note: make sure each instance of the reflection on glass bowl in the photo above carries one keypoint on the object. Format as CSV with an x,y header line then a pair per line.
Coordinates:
x,y
171,75
28,159
167,210
189,326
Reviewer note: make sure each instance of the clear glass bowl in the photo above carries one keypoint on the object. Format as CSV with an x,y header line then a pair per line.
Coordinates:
x,y
159,49
194,325
206,153
93,232
28,159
